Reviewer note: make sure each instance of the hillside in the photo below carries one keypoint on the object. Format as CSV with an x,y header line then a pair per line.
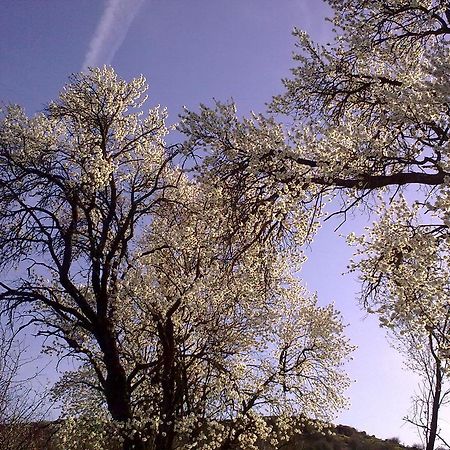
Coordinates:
x,y
343,437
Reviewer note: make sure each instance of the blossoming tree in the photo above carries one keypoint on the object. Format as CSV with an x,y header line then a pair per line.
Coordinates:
x,y
368,112
180,307
403,265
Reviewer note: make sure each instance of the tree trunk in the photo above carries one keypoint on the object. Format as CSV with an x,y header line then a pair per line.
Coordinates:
x,y
166,433
117,392
433,427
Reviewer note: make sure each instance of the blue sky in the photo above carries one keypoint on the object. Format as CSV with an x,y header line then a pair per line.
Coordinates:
x,y
192,51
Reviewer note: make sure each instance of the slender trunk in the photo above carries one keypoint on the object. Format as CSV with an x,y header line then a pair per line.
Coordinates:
x,y
435,408
437,392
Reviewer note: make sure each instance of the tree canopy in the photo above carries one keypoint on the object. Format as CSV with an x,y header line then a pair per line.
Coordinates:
x,y
361,120
175,287
181,308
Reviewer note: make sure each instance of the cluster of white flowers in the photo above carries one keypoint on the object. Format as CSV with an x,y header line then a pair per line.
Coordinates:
x,y
404,266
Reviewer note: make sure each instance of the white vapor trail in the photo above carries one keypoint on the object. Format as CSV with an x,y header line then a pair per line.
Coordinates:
x,y
111,31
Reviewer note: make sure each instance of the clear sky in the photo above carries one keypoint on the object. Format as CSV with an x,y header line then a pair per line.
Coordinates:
x,y
192,51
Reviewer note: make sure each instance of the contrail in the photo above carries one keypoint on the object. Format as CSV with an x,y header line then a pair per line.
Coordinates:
x,y
111,31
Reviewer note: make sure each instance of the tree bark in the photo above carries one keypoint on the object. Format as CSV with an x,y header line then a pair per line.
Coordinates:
x,y
433,430
166,433
117,392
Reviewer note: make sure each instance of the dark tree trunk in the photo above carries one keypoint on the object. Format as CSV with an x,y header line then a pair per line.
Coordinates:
x,y
433,430
166,433
116,388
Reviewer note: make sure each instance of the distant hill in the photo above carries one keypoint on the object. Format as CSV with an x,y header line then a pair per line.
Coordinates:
x,y
343,437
